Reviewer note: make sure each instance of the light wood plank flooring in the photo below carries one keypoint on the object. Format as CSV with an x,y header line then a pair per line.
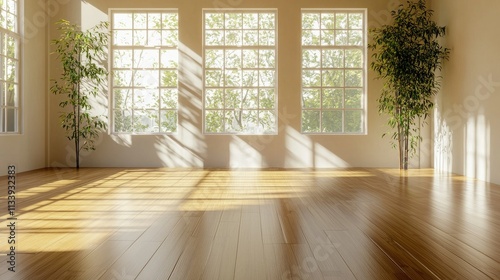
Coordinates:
x,y
252,224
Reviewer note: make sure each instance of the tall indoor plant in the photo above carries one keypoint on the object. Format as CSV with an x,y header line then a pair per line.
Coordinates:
x,y
81,54
406,55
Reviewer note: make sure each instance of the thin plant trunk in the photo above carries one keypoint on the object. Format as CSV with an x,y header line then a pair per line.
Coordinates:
x,y
406,142
405,160
77,137
75,131
400,138
403,138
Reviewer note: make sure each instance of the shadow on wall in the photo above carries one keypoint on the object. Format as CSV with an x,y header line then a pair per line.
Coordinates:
x,y
188,147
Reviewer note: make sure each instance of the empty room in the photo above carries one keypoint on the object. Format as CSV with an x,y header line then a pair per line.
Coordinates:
x,y
249,139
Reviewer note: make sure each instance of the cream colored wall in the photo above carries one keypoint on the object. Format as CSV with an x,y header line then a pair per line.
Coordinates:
x,y
27,150
467,125
189,147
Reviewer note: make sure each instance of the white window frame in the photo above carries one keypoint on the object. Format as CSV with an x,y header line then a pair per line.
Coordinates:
x,y
225,47
16,105
133,69
322,47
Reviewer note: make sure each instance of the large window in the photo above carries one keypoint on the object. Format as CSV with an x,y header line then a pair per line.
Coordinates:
x,y
333,71
9,66
240,89
144,57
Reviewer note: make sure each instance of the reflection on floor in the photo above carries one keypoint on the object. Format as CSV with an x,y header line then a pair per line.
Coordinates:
x,y
252,224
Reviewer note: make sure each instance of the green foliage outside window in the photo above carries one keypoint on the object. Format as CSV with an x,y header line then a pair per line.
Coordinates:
x,y
240,73
333,68
145,75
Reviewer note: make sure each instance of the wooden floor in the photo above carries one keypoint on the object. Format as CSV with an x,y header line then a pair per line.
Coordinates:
x,y
252,224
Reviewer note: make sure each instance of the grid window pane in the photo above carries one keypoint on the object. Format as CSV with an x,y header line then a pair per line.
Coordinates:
x,y
122,21
122,59
311,58
267,98
215,119
311,121
353,121
331,121
145,99
169,59
122,37
267,58
311,78
311,98
214,21
214,99
168,121
145,79
145,121
353,58
353,98
240,72
170,21
333,98
251,37
168,99
122,120
122,99
333,71
10,95
233,58
233,98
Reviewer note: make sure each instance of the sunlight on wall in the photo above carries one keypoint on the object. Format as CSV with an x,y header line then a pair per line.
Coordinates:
x,y
325,158
471,82
174,153
443,143
243,155
296,143
469,149
122,139
316,154
485,148
91,16
477,148
190,102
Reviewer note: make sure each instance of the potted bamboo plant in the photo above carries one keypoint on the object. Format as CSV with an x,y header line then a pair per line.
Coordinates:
x,y
81,54
406,55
